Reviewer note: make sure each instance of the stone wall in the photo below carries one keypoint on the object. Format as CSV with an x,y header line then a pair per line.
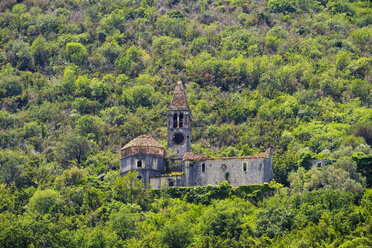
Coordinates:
x,y
158,182
318,162
151,165
255,171
211,171
181,149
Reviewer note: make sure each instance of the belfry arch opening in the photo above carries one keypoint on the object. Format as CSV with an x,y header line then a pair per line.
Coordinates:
x,y
175,117
181,120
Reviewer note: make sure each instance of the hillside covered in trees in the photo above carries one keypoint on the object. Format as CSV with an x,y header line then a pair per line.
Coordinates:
x,y
81,78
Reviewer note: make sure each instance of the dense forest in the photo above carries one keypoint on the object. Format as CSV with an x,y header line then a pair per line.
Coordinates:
x,y
81,78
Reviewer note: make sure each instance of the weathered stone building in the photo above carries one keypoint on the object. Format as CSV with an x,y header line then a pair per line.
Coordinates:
x,y
179,123
145,155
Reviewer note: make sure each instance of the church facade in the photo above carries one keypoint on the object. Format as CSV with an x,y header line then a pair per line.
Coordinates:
x,y
147,156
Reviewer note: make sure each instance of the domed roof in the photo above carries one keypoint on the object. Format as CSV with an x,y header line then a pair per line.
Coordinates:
x,y
143,144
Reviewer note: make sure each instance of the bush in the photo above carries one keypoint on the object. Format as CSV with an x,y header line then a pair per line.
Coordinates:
x,y
123,222
76,53
45,201
280,6
176,235
223,219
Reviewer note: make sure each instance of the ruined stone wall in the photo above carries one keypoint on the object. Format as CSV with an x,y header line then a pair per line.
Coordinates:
x,y
158,182
151,166
185,130
256,171
318,162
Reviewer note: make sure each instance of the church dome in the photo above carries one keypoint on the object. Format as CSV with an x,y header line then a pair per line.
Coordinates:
x,y
143,144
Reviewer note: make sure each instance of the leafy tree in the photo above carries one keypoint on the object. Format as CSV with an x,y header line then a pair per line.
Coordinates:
x,y
176,235
76,53
47,23
280,6
131,63
141,95
45,201
110,50
93,198
99,238
174,24
90,126
276,218
124,221
165,51
10,84
85,106
342,175
223,219
74,147
82,86
20,55
73,177
129,189
39,50
100,90
11,168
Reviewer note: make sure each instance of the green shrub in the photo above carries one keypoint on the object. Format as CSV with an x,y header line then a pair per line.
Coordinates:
x,y
76,53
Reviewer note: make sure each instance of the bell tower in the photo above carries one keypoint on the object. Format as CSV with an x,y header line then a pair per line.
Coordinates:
x,y
179,122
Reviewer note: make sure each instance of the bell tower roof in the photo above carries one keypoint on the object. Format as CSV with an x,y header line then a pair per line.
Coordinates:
x,y
179,98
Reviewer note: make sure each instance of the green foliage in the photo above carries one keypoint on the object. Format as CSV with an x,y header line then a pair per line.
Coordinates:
x,y
129,189
131,63
90,127
79,79
222,219
141,95
76,53
45,201
73,147
73,177
177,235
11,167
123,222
280,6
39,50
342,175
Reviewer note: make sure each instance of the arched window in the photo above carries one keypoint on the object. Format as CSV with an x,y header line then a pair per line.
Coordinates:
x,y
175,120
203,167
139,163
171,183
244,166
181,120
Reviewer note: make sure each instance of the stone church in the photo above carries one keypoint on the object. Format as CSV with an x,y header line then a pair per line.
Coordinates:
x,y
147,156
